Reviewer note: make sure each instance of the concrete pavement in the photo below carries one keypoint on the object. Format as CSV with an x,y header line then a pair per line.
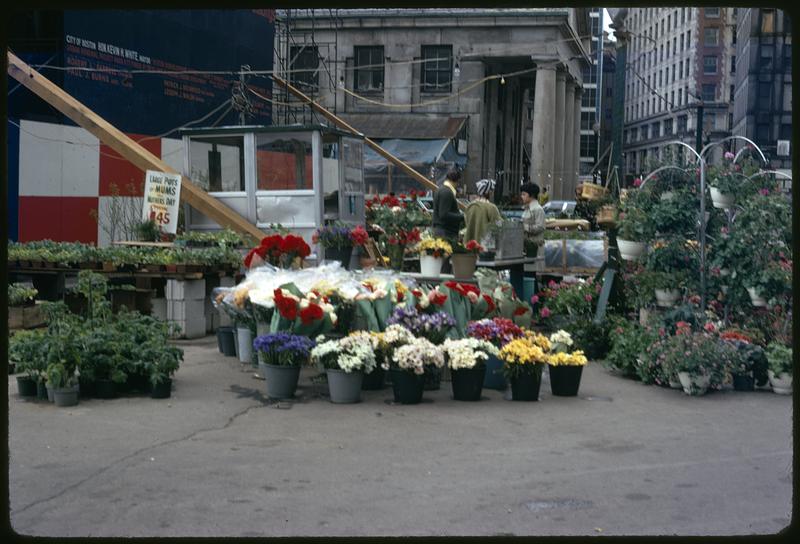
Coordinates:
x,y
218,459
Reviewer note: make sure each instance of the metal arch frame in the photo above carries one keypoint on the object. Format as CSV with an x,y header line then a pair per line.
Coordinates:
x,y
661,169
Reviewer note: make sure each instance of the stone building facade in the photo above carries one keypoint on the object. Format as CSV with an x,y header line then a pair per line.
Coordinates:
x,y
678,58
505,83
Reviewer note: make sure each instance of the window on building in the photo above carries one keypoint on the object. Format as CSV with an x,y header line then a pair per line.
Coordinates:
x,y
672,80
712,13
675,45
786,132
660,82
730,121
683,15
709,64
764,93
671,98
305,58
586,120
686,74
767,21
682,121
680,69
709,92
711,37
732,93
437,68
680,97
762,132
655,131
733,64
766,53
688,39
667,127
369,68
669,20
675,19
682,44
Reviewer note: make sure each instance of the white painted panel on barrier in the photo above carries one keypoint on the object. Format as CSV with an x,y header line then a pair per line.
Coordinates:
x,y
80,164
40,159
117,216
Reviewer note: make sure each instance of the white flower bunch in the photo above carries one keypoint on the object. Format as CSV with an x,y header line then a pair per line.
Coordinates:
x,y
365,337
467,352
397,335
417,355
262,297
350,354
561,337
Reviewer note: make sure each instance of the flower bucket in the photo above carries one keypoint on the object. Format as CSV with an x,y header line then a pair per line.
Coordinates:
x,y
162,390
666,298
468,383
493,376
344,387
245,340
755,297
430,266
630,251
341,254
463,265
396,255
41,391
781,384
407,386
525,386
281,380
374,380
694,385
721,200
67,396
226,340
744,382
565,379
432,379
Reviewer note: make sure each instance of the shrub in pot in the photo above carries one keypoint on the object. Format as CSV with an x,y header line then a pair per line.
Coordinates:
x,y
629,340
345,360
62,378
750,365
699,358
466,359
27,350
779,357
523,360
161,369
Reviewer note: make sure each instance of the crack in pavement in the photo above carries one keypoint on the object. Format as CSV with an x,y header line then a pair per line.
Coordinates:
x,y
69,488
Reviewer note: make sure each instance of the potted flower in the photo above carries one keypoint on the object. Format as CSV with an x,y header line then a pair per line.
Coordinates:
x,y
345,361
464,258
338,241
27,350
434,327
779,357
631,233
280,356
499,332
773,281
432,253
729,180
524,361
397,219
750,363
374,380
670,263
699,359
408,366
466,359
565,367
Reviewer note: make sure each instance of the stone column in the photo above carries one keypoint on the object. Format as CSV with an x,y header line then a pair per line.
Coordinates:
x,y
577,141
568,142
560,127
544,105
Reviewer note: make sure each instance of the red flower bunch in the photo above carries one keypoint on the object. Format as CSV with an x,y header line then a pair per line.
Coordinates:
x,y
405,237
313,312
287,306
437,298
261,251
473,246
682,327
490,303
272,248
295,245
462,289
359,236
521,310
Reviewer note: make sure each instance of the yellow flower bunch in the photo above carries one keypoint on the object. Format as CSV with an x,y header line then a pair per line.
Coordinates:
x,y
240,296
537,339
576,358
436,246
522,352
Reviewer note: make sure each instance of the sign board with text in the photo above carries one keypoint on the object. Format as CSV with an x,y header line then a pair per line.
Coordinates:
x,y
162,194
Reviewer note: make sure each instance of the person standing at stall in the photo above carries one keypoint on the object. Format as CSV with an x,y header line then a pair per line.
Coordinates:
x,y
533,223
481,213
447,218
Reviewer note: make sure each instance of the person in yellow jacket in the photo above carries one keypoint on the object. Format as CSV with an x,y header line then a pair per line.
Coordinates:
x,y
481,214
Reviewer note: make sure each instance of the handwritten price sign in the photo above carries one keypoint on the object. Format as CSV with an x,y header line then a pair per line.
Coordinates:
x,y
162,192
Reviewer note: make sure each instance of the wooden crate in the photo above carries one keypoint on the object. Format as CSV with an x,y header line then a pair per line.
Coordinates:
x,y
591,191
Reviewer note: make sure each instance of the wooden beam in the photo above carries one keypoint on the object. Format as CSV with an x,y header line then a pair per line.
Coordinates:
x,y
374,145
126,147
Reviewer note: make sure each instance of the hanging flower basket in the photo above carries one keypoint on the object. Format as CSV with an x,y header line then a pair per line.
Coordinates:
x,y
693,384
666,298
721,200
591,191
629,250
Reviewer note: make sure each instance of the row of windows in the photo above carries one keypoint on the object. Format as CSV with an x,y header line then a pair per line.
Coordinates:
x,y
664,102
369,68
649,58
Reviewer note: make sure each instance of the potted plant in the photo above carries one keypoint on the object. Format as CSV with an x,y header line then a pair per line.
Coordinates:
x,y
345,361
671,263
408,365
699,359
779,357
62,378
161,369
432,253
466,359
499,331
750,364
397,219
384,345
280,356
565,367
464,258
523,362
729,180
338,241
434,327
26,349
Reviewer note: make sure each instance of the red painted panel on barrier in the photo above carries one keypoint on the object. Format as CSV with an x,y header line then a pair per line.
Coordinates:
x,y
62,219
115,170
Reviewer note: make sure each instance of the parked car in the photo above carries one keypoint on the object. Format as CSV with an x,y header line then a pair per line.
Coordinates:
x,y
559,209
